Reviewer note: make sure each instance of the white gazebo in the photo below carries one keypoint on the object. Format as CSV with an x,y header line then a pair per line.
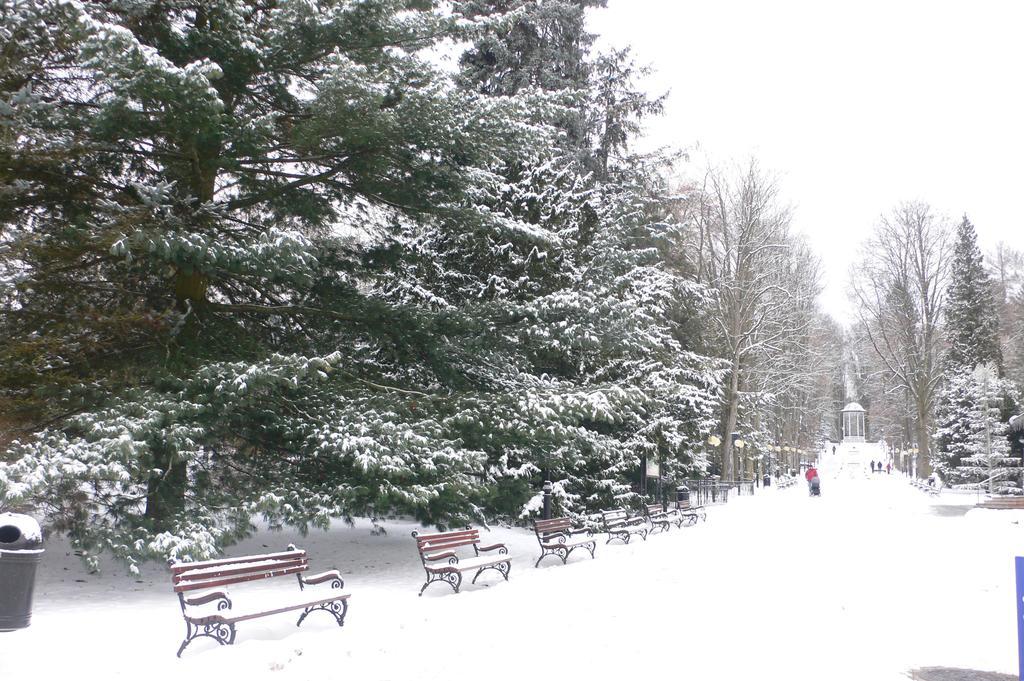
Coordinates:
x,y
853,423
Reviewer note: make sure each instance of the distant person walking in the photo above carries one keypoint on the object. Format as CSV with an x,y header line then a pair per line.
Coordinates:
x,y
888,468
872,465
833,450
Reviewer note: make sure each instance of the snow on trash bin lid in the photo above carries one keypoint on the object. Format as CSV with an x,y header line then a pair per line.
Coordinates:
x,y
19,531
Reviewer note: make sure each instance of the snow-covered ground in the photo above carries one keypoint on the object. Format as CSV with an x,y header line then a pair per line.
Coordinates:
x,y
868,581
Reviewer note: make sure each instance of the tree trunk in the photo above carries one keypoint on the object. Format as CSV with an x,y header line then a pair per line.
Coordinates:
x,y
190,288
166,487
924,464
165,494
731,415
189,285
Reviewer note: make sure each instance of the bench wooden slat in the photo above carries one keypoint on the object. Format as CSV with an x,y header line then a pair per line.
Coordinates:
x,y
199,565
454,534
244,569
440,542
191,586
552,525
460,539
441,547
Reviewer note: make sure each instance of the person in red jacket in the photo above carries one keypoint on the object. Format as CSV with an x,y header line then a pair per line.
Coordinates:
x,y
813,483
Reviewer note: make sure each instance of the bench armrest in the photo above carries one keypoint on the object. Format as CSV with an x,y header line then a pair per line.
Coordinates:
x,y
321,577
501,548
441,556
209,597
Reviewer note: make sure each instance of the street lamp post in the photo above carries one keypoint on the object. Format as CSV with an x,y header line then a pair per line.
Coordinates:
x,y
715,442
547,500
739,444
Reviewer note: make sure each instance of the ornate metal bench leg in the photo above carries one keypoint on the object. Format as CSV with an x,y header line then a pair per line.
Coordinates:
x,y
452,579
502,567
189,635
335,608
222,633
591,547
557,553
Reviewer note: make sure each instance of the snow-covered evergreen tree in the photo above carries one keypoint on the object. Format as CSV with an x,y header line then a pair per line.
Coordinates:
x,y
972,324
611,332
267,260
204,204
975,432
970,437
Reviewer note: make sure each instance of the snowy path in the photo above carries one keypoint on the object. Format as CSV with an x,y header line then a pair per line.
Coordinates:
x,y
845,586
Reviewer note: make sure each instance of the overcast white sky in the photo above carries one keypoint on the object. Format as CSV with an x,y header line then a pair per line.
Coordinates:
x,y
855,106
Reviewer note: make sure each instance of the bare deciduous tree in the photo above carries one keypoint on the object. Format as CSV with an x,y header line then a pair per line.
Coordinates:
x,y
765,283
900,288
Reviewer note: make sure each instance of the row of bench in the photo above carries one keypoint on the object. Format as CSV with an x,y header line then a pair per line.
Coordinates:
x,y
557,537
211,613
783,483
621,524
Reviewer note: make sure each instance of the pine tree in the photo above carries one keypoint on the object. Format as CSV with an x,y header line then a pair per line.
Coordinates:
x,y
975,433
611,392
269,261
210,219
972,324
964,414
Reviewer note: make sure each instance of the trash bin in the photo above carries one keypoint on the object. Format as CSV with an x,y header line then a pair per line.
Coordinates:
x,y
767,481
21,542
683,495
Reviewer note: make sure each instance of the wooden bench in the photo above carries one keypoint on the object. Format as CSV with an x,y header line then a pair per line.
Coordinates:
x,y
557,537
660,518
620,524
691,513
924,486
441,546
1002,502
218,574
